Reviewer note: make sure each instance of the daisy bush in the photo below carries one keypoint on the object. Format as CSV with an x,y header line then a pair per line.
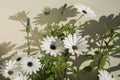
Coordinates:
x,y
50,52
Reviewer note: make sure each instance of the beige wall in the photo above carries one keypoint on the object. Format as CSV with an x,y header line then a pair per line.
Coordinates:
x,y
10,30
10,7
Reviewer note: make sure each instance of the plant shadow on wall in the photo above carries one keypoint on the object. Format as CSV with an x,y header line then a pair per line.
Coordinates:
x,y
5,49
56,16
97,31
117,56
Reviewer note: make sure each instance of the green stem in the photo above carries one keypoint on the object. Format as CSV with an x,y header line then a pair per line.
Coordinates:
x,y
32,33
49,29
78,19
101,54
47,24
99,62
66,55
28,42
105,53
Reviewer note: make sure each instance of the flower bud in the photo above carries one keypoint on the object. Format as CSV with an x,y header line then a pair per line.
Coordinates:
x,y
46,10
28,25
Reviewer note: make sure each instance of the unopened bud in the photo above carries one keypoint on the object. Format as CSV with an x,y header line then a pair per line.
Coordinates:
x,y
28,23
46,10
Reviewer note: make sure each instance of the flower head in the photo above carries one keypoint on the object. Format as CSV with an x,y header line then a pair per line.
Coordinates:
x,y
75,44
46,10
30,65
85,10
9,69
19,56
20,77
104,75
52,45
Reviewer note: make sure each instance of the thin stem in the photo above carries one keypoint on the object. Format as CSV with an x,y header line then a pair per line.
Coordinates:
x,y
78,19
101,55
49,29
28,42
104,53
100,59
99,62
32,33
47,24
66,55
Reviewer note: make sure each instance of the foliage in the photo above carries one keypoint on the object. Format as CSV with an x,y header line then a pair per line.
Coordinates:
x,y
62,66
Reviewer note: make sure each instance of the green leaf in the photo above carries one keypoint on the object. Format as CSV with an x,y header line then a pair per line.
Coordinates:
x,y
96,52
88,68
89,56
74,72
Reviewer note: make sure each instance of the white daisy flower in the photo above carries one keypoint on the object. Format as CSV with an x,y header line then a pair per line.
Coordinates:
x,y
85,10
30,65
104,75
20,77
18,57
52,45
75,44
10,69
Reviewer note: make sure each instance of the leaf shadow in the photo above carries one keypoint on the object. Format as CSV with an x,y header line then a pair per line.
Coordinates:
x,y
35,38
5,49
99,28
114,68
82,75
96,27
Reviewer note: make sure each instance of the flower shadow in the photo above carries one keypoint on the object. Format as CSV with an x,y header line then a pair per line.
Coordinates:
x,y
94,27
55,16
20,16
100,28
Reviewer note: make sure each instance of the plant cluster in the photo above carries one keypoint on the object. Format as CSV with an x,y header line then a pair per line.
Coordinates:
x,y
58,46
